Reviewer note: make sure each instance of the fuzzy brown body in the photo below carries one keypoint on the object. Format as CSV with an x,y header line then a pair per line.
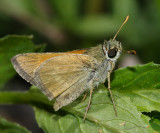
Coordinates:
x,y
65,76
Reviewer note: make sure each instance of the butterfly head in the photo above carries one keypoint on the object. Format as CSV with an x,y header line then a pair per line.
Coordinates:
x,y
112,49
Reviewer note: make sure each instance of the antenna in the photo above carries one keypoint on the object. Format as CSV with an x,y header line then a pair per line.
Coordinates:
x,y
130,52
121,27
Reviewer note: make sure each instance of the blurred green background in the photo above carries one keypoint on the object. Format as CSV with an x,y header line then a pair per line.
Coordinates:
x,y
75,24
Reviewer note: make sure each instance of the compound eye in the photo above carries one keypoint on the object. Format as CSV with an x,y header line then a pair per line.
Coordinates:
x,y
112,52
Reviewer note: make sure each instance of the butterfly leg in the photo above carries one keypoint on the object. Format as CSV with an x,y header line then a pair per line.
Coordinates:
x,y
84,97
109,88
89,103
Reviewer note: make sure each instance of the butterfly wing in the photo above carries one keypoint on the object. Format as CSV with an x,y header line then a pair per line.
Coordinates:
x,y
73,92
26,64
60,73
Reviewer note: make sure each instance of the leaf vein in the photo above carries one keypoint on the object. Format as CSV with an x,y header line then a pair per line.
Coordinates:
x,y
59,126
79,125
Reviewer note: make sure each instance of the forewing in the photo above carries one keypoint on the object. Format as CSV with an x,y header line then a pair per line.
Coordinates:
x,y
26,64
58,74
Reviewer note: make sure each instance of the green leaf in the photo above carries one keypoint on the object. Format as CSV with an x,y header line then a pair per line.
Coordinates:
x,y
155,120
101,115
9,47
10,127
155,123
128,85
141,84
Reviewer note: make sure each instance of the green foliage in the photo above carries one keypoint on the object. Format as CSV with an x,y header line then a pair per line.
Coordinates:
x,y
9,47
155,119
141,84
8,127
130,99
155,123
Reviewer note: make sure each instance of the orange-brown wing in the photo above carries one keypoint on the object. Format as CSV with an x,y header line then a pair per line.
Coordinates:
x,y
77,51
26,64
60,73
